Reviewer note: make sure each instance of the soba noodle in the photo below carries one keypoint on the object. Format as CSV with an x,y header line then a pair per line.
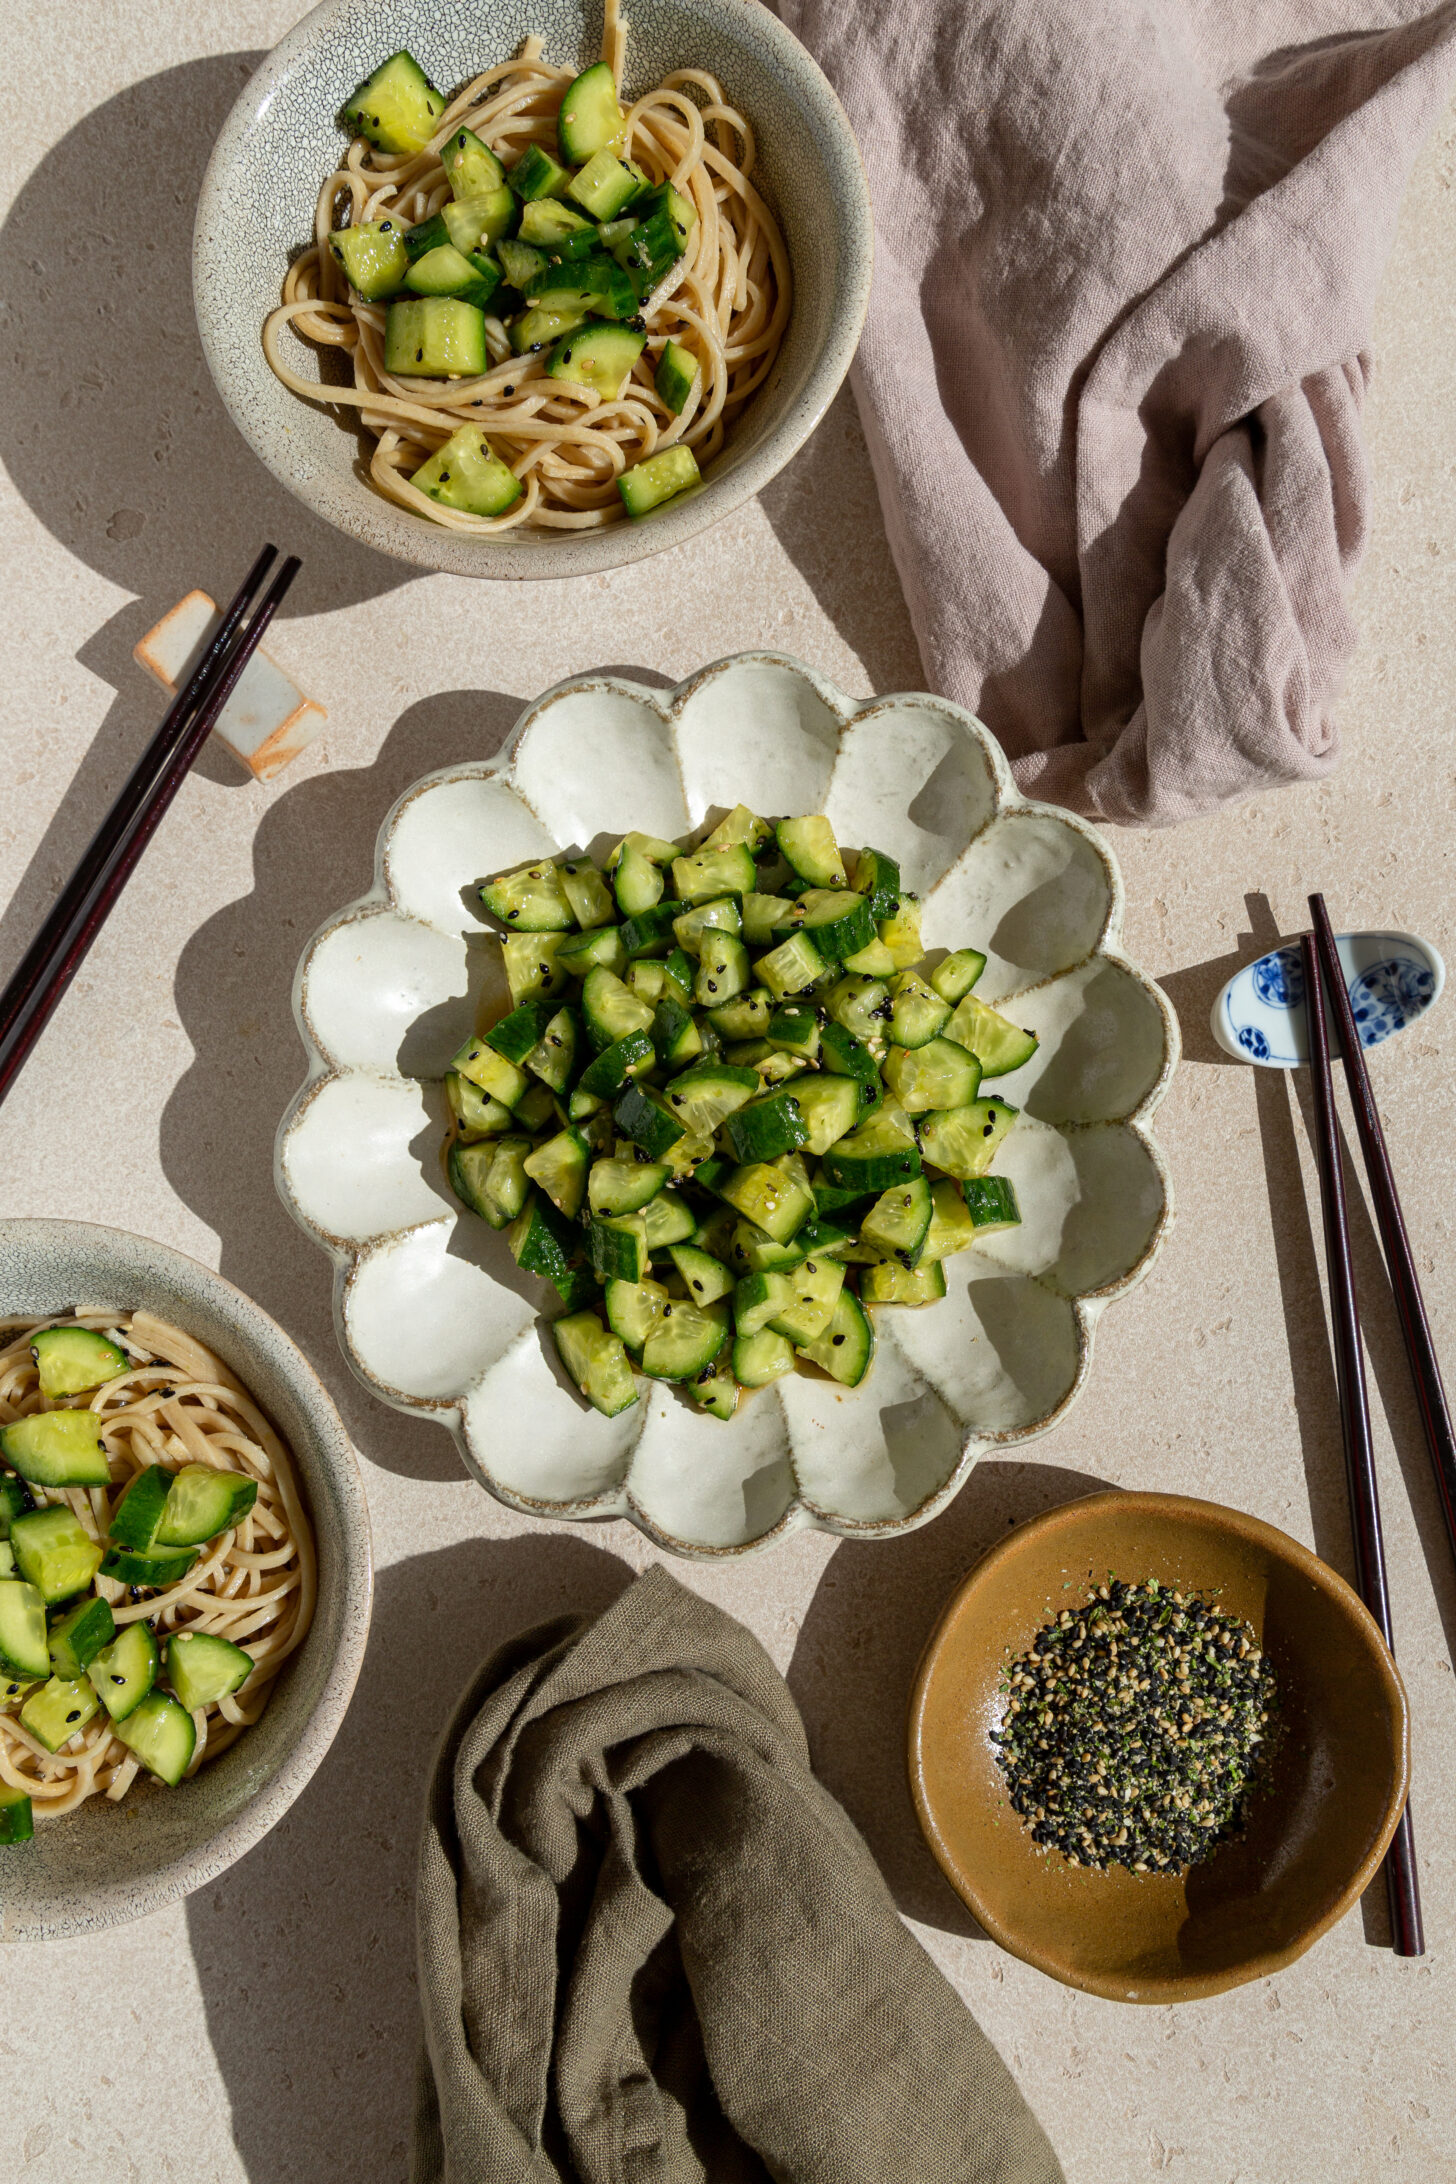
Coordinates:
x,y
727,302
253,1584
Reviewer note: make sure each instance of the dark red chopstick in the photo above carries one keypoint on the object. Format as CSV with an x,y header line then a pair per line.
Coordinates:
x,y
1410,1305
1400,1861
80,911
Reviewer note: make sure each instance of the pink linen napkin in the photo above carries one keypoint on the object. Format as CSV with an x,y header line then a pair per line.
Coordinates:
x,y
1126,256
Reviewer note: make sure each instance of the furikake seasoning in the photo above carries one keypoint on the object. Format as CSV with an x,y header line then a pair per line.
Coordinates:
x,y
1133,1728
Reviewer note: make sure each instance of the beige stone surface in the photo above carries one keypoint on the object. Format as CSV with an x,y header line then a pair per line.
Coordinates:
x,y
266,2029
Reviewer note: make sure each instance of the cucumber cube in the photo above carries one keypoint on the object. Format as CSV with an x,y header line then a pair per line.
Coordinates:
x,y
705,1278
814,1287
676,376
791,967
964,1140
766,1127
471,165
901,934
537,174
517,1033
73,1360
660,477
771,1197
606,185
435,337
723,968
397,107
952,1227
531,966
57,1448
878,877
59,1711
704,1096
203,1668
829,1108
152,1568
937,1074
590,118
888,1283
17,1815
846,1348
530,900
597,1361
204,1502
685,1341
999,1045
761,1357
633,1309
163,1736
24,1651
918,1013
14,1501
597,354
618,1247
991,1203
642,1116
79,1635
53,1550
559,1167
541,1241
838,922
466,474
444,271
555,229
954,978
476,1113
714,1390
123,1673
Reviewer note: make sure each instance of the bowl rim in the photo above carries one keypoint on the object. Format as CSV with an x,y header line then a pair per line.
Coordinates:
x,y
375,522
114,1903
1186,1508
346,1254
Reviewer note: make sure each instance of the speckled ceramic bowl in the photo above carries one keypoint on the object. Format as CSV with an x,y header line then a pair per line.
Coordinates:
x,y
282,138
431,1310
105,1863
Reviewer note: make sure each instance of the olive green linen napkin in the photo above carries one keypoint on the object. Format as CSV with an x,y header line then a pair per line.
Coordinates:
x,y
654,1950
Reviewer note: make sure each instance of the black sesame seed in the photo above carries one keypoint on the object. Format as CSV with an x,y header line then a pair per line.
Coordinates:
x,y
837,1339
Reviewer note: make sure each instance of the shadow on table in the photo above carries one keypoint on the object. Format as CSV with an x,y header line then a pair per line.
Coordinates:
x,y
110,425
305,1951
824,510
313,851
860,1645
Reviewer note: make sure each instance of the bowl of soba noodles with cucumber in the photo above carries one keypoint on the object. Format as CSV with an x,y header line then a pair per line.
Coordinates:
x,y
537,290
184,1575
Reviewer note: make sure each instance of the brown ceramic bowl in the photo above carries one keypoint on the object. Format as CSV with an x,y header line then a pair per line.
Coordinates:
x,y
1314,1837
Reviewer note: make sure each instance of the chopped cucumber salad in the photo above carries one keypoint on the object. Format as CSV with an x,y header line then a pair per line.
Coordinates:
x,y
561,253
65,1658
733,1108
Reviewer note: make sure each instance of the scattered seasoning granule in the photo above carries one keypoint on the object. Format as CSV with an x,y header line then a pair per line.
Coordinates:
x,y
1134,1728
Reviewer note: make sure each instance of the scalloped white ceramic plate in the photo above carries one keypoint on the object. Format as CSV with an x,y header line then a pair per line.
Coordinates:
x,y
431,1310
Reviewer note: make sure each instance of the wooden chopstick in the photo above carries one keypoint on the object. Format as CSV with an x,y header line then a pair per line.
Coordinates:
x,y
82,908
1400,1862
1410,1305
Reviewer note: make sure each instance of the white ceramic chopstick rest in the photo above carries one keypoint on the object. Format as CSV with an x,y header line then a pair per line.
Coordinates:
x,y
1392,979
267,721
